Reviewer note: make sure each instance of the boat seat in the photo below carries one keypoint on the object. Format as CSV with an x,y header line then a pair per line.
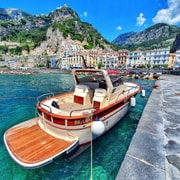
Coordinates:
x,y
99,98
83,95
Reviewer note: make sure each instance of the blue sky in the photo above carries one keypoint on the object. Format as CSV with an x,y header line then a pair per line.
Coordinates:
x,y
110,18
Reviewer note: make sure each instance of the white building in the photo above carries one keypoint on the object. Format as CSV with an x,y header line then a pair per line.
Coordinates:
x,y
158,57
13,63
71,61
149,58
136,58
110,62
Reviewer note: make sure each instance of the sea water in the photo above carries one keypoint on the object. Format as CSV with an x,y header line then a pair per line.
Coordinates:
x,y
18,96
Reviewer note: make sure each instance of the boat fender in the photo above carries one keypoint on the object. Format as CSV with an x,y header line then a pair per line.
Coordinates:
x,y
143,93
133,101
97,127
55,104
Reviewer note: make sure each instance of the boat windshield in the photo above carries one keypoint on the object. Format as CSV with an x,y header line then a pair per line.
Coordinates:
x,y
93,79
116,81
90,77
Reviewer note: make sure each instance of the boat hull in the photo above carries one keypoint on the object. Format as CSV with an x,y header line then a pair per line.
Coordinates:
x,y
31,146
84,131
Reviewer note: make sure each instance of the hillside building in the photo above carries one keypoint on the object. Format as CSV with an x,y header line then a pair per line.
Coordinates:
x,y
122,58
71,61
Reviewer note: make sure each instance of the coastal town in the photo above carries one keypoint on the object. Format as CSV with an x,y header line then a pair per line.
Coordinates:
x,y
65,46
71,56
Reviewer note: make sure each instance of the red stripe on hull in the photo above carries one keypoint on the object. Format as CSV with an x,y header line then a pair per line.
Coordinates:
x,y
78,120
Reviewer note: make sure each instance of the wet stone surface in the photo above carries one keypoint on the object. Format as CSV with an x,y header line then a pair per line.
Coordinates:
x,y
138,170
143,148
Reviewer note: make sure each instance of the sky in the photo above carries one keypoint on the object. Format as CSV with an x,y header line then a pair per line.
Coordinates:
x,y
110,17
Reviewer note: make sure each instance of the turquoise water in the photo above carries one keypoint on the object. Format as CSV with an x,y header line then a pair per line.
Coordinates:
x,y
18,95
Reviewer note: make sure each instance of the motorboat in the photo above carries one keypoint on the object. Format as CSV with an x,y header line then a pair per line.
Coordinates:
x,y
66,121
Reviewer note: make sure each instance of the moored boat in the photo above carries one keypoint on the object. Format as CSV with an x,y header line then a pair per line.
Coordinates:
x,y
68,120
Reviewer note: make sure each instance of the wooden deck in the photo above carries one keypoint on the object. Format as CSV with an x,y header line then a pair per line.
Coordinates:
x,y
29,144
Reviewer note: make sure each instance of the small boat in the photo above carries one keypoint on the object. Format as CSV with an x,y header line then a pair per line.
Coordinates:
x,y
66,121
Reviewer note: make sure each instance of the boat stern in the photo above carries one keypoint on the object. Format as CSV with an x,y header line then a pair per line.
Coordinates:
x,y
31,147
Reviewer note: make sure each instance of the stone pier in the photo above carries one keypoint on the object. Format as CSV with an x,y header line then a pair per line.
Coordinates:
x,y
154,152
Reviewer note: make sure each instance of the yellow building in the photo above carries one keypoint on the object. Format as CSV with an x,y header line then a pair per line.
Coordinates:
x,y
171,60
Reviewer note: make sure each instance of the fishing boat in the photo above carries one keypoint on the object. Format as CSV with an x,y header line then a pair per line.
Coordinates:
x,y
72,119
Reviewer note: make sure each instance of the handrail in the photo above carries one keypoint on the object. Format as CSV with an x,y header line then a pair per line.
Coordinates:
x,y
81,110
44,95
122,92
46,106
132,87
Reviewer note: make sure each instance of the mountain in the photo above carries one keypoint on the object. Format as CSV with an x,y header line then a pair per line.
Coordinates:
x,y
64,23
12,14
62,14
176,44
157,36
121,39
31,31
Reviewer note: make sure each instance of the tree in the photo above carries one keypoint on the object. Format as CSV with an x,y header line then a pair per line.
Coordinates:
x,y
16,51
4,49
100,65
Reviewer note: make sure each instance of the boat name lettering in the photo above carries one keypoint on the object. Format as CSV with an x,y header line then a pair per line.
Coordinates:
x,y
82,121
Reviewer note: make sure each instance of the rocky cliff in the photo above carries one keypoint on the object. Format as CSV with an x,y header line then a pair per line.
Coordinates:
x,y
63,13
13,20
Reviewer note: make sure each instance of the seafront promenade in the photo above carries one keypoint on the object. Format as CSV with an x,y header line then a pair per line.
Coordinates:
x,y
154,152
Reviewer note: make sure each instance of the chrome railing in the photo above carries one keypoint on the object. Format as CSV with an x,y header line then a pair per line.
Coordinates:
x,y
50,109
44,96
122,92
75,110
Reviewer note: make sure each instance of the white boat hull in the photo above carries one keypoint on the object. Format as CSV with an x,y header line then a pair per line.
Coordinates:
x,y
83,132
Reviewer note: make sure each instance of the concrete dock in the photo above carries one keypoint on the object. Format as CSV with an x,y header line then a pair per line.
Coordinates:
x,y
154,152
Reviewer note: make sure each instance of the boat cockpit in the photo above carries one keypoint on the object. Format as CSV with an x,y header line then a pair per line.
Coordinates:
x,y
93,88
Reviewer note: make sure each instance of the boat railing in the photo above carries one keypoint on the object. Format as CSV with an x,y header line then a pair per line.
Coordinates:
x,y
50,109
44,96
132,87
128,91
75,110
122,92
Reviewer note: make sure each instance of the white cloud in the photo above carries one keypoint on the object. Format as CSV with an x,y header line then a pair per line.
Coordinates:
x,y
140,19
119,28
84,14
171,15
